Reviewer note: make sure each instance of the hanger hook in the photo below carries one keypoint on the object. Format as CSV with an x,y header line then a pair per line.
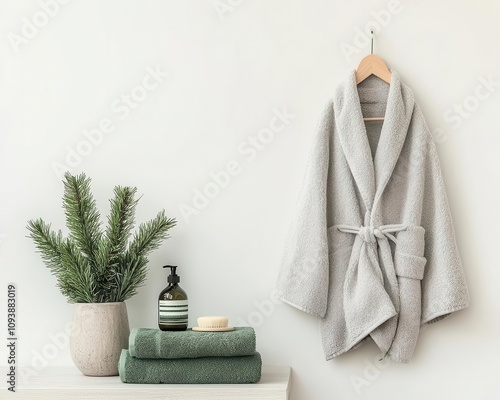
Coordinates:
x,y
372,43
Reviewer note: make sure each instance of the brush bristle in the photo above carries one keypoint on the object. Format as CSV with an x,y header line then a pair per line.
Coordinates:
x,y
212,322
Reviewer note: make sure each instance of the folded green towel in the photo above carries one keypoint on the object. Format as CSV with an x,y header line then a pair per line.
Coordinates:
x,y
245,369
154,343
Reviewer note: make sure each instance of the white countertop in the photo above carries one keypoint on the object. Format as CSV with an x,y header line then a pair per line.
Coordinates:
x,y
58,383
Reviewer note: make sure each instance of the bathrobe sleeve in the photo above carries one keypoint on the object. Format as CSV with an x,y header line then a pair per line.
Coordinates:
x,y
444,288
304,273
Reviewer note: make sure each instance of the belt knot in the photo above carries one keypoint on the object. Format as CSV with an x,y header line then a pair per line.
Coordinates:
x,y
370,234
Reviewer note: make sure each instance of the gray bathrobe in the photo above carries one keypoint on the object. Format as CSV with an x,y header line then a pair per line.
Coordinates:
x,y
372,249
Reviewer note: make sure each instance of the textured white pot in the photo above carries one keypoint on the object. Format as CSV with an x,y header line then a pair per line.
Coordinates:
x,y
99,332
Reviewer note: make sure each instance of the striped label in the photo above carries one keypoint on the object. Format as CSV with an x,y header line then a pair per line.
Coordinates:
x,y
173,312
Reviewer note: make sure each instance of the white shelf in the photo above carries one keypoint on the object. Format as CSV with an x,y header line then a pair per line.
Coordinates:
x,y
64,383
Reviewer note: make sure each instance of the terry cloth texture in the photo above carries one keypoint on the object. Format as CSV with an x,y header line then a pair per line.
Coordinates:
x,y
154,343
222,370
371,249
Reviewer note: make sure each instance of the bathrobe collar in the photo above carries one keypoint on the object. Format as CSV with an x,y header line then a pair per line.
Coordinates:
x,y
372,175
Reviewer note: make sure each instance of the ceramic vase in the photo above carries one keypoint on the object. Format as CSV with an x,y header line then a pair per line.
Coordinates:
x,y
99,332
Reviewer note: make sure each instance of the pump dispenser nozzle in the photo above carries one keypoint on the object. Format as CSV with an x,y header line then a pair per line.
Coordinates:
x,y
173,277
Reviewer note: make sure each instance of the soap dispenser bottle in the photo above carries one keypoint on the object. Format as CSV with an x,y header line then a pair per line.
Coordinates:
x,y
173,304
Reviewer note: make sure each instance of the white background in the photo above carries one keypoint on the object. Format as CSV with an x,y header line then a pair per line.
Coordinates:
x,y
229,68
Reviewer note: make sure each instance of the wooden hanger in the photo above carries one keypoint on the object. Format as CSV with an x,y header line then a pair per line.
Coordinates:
x,y
372,65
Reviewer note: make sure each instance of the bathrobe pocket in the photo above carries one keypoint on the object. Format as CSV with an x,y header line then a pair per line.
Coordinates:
x,y
409,263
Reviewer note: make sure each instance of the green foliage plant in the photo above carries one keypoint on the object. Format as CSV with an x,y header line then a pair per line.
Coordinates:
x,y
93,265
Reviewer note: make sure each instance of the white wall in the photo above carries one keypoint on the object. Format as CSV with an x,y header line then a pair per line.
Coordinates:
x,y
229,68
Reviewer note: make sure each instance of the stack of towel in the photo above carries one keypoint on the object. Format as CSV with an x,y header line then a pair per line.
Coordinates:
x,y
156,356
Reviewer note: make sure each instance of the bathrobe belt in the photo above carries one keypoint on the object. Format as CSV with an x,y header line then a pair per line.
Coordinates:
x,y
371,290
370,234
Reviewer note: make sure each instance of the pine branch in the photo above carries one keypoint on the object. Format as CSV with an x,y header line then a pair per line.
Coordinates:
x,y
107,269
121,221
82,216
132,277
47,242
63,259
77,280
150,235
